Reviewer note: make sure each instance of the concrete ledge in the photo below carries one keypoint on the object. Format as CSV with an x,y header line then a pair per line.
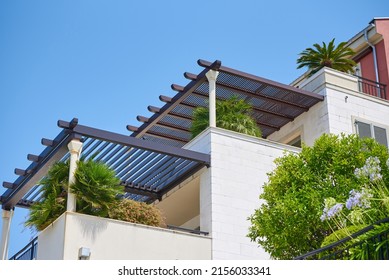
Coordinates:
x,y
110,239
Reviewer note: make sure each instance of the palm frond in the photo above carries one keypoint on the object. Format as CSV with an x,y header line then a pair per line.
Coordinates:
x,y
336,57
232,114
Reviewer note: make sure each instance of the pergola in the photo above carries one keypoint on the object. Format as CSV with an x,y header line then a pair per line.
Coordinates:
x,y
152,160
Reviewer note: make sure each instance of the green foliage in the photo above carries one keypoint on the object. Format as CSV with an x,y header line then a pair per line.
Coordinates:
x,y
97,191
365,205
232,114
368,245
338,235
341,233
364,247
96,188
54,194
137,212
336,57
288,224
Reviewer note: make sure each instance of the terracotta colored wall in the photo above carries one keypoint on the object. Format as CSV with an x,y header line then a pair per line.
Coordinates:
x,y
367,66
383,50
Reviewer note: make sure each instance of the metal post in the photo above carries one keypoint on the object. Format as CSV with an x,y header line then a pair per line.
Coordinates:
x,y
211,76
74,147
7,217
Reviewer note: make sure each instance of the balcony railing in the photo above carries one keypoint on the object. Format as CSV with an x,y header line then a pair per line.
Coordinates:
x,y
372,88
193,231
28,252
373,248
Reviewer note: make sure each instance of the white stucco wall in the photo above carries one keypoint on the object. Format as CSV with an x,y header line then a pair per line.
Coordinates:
x,y
50,241
115,240
230,188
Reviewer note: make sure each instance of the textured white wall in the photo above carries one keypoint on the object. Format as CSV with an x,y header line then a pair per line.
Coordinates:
x,y
230,189
345,107
310,125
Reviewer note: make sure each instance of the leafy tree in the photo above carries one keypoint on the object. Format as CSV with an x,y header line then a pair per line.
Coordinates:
x,y
336,57
288,223
232,114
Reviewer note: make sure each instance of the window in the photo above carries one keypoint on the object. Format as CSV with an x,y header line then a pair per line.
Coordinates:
x,y
373,131
296,142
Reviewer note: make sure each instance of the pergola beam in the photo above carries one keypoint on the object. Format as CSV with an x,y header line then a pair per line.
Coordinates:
x,y
164,124
137,143
176,100
231,71
25,182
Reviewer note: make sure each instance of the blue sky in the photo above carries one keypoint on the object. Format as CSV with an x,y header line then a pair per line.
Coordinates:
x,y
104,62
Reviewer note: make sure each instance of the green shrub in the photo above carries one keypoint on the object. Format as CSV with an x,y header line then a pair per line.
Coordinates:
x,y
96,188
136,212
54,197
288,224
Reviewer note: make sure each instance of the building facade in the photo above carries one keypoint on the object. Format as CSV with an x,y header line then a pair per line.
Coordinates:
x,y
208,186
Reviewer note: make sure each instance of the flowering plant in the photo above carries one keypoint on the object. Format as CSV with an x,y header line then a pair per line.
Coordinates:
x,y
363,206
287,221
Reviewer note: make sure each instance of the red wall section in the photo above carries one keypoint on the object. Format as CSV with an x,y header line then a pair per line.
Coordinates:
x,y
382,63
367,66
382,26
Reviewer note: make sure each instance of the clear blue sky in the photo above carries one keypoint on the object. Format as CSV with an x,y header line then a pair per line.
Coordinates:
x,y
104,62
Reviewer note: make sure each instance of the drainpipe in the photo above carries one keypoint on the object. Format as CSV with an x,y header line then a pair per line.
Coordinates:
x,y
74,147
6,217
374,57
211,76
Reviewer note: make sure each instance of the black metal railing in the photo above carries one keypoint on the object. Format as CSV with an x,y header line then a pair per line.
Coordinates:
x,y
28,252
371,87
372,248
194,231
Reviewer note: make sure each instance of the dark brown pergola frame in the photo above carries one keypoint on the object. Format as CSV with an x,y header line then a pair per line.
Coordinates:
x,y
152,161
274,104
147,169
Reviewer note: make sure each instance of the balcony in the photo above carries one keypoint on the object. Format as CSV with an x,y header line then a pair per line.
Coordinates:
x,y
328,78
28,252
372,88
111,239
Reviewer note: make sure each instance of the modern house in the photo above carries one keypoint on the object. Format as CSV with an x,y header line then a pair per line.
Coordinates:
x,y
206,187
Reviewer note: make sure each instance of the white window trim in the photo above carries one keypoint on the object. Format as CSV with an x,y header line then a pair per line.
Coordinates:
x,y
371,123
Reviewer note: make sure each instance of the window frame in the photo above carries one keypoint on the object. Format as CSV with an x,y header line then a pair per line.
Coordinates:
x,y
371,125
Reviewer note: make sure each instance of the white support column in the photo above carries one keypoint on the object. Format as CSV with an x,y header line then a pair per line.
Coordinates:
x,y
6,219
211,76
74,147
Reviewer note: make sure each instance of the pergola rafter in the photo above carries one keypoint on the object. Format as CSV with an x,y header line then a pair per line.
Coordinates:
x,y
273,104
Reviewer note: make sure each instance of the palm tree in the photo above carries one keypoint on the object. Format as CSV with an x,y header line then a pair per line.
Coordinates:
x,y
96,189
232,114
336,57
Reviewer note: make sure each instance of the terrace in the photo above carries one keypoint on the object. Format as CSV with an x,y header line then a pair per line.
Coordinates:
x,y
159,163
154,163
